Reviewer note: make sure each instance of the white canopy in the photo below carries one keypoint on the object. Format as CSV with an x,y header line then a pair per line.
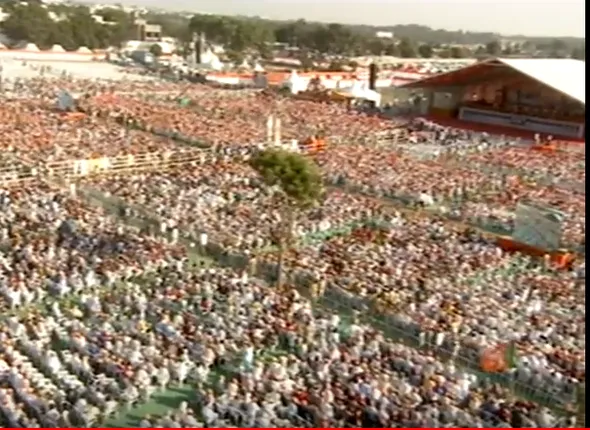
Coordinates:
x,y
2,46
83,50
295,83
258,68
57,48
360,90
215,63
31,47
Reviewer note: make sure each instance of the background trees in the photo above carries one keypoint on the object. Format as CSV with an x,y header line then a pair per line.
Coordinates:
x,y
70,26
73,26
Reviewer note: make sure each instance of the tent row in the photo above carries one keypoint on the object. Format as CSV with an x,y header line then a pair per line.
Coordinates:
x,y
31,47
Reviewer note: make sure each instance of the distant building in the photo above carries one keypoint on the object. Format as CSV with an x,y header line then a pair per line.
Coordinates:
x,y
147,32
384,34
100,20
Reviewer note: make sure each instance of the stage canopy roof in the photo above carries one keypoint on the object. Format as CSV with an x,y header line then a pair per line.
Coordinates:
x,y
566,76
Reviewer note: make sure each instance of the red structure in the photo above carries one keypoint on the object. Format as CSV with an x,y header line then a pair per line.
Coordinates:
x,y
511,96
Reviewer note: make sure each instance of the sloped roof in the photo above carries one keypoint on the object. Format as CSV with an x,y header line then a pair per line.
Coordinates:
x,y
84,50
566,76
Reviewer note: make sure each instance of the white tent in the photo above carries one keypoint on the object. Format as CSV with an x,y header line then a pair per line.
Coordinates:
x,y
244,64
258,68
213,63
208,56
83,50
216,63
295,83
2,46
57,48
360,90
31,47
356,90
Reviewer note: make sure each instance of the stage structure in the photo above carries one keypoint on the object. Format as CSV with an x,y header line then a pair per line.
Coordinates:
x,y
545,96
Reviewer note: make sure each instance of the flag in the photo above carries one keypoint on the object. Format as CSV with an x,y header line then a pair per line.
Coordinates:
x,y
500,358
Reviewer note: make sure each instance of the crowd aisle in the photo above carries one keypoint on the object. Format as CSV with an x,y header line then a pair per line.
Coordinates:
x,y
112,309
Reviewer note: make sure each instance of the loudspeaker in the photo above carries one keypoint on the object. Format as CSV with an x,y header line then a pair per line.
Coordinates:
x,y
373,76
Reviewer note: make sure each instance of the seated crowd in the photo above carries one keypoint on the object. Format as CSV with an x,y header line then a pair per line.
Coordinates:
x,y
105,308
33,132
256,357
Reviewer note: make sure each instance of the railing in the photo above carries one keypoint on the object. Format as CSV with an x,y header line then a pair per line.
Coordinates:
x,y
11,176
122,163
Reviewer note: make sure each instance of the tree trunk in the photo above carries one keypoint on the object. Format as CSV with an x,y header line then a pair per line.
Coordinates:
x,y
280,263
284,242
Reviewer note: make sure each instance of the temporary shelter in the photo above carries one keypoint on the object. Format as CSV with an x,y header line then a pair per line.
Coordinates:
x,y
83,50
57,48
294,83
361,91
31,47
215,63
258,68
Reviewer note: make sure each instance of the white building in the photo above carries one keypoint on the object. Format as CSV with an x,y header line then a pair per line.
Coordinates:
x,y
384,34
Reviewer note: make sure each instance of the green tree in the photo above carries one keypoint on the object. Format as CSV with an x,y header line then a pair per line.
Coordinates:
x,y
297,185
265,51
457,52
235,57
30,22
579,53
75,26
425,50
83,28
493,48
480,51
392,50
156,50
444,53
407,49
294,33
376,46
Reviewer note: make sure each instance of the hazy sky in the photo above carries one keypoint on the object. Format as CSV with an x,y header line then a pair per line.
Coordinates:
x,y
528,17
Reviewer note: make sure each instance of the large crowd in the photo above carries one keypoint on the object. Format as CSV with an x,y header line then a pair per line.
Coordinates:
x,y
107,297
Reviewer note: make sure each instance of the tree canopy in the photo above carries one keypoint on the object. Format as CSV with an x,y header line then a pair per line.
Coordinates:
x,y
295,175
70,26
